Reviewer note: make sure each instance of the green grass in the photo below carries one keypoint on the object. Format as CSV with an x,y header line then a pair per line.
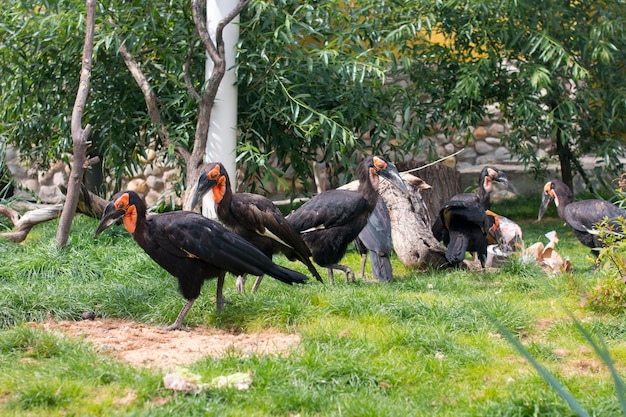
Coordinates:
x,y
422,345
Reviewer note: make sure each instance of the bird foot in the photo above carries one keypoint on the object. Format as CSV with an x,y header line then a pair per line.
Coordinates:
x,y
350,277
175,326
220,304
257,283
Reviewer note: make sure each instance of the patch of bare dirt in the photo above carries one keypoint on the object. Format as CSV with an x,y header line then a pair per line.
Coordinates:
x,y
142,345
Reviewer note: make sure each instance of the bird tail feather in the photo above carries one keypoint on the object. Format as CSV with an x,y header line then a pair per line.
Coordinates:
x,y
286,275
456,248
381,267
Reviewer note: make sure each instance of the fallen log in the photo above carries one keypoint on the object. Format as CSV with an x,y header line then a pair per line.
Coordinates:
x,y
89,204
23,224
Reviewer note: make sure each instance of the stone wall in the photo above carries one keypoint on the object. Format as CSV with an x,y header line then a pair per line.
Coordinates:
x,y
155,182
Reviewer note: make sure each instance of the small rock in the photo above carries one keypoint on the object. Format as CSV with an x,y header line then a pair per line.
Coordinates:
x,y
482,147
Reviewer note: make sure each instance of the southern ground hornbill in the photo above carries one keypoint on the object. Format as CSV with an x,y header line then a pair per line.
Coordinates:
x,y
581,216
466,228
191,247
253,217
488,175
375,240
329,221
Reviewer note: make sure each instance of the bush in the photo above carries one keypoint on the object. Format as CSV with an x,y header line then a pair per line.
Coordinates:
x,y
609,292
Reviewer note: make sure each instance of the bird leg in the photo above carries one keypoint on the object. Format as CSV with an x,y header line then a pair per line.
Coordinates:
x,y
219,298
240,284
257,283
363,262
181,316
349,273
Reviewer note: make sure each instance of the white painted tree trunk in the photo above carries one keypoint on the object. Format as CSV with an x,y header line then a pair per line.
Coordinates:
x,y
222,141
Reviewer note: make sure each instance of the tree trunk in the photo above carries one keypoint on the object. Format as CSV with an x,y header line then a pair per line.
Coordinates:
x,y
79,135
412,238
216,52
444,181
565,157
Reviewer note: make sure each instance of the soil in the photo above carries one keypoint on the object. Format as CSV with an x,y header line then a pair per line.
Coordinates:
x,y
142,345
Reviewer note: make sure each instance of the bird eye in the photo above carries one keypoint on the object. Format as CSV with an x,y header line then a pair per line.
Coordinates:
x,y
379,164
214,173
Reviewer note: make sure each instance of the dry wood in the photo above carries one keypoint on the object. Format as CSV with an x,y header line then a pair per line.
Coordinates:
x,y
24,223
80,136
444,181
412,238
88,204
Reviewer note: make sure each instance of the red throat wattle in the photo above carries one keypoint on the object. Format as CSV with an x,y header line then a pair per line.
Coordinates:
x,y
219,190
130,219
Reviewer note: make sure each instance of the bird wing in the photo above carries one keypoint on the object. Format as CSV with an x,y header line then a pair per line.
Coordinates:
x,y
261,216
464,212
584,215
329,209
194,236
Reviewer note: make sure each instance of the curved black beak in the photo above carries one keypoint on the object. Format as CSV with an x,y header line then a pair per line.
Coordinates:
x,y
545,202
109,216
392,175
503,179
204,186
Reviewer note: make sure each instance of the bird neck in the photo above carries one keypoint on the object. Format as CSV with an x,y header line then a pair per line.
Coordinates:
x,y
561,201
369,189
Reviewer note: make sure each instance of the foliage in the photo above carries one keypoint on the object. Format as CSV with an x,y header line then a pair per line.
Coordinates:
x,y
320,85
608,294
414,67
325,80
41,46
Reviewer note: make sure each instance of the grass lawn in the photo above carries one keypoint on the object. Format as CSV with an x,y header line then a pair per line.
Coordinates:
x,y
419,346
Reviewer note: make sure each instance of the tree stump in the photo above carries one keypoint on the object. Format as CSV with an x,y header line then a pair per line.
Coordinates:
x,y
411,234
444,182
412,238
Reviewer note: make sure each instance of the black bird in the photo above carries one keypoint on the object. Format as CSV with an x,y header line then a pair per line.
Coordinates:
x,y
191,247
375,239
466,227
253,217
331,220
581,216
488,175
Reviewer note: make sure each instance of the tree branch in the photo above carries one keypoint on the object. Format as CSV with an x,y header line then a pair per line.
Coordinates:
x,y
79,136
217,54
28,220
151,101
187,71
